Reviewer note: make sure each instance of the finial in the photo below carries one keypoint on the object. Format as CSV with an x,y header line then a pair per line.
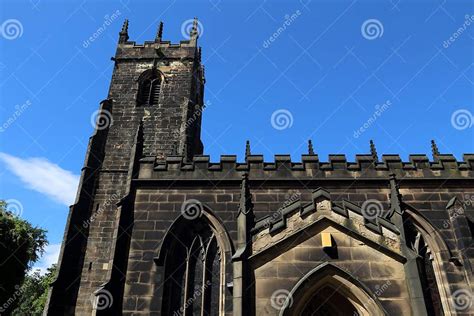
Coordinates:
x,y
247,150
395,197
394,188
125,27
434,150
310,147
123,35
159,33
194,30
245,205
194,34
245,221
373,151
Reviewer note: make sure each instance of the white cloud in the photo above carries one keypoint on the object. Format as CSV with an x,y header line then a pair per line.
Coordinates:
x,y
45,177
50,257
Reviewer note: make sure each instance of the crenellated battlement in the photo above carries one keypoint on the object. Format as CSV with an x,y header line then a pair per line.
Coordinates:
x,y
310,166
153,50
157,49
160,44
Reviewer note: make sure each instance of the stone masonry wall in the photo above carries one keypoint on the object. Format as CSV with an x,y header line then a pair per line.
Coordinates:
x,y
158,205
161,126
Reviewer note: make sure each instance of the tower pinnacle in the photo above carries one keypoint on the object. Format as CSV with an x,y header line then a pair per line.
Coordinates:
x,y
434,150
159,32
194,34
373,151
194,30
247,150
123,35
310,147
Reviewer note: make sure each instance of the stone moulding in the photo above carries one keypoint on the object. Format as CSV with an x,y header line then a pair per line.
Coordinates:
x,y
262,243
348,217
320,194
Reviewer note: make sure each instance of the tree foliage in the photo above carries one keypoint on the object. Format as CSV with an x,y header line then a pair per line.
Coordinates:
x,y
21,245
34,292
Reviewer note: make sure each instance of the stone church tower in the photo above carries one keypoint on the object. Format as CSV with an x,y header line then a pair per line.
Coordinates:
x,y
158,229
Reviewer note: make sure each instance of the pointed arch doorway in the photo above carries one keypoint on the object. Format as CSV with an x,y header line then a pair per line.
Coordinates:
x,y
328,290
329,301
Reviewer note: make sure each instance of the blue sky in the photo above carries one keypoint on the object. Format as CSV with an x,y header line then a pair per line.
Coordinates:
x,y
278,73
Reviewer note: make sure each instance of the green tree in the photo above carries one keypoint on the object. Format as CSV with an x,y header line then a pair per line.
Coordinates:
x,y
21,245
34,292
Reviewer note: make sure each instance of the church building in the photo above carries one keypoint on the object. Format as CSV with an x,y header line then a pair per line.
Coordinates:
x,y
159,229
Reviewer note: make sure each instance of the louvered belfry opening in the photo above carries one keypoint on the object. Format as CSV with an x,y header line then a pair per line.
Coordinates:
x,y
149,90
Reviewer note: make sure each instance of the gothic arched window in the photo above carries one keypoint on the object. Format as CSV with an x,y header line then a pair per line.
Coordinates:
x,y
149,88
426,273
192,270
